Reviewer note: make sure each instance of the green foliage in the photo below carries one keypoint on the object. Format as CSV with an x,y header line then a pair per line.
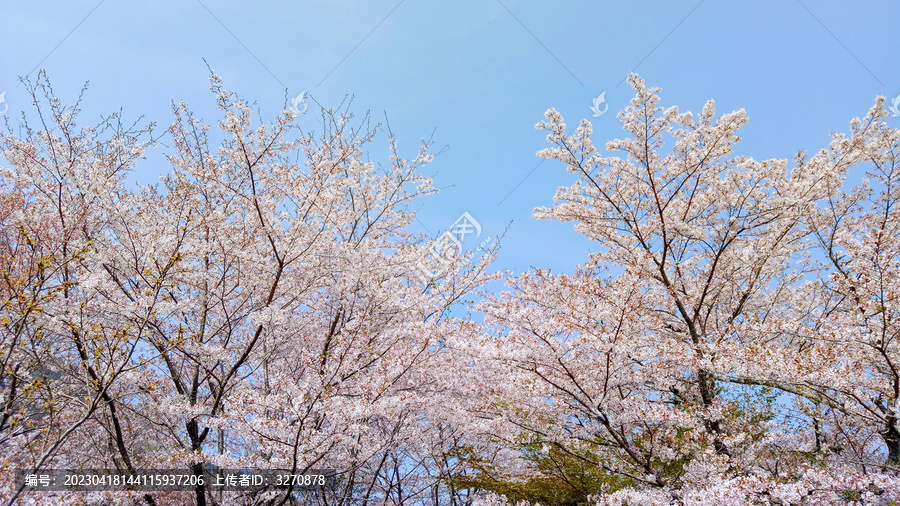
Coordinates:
x,y
558,479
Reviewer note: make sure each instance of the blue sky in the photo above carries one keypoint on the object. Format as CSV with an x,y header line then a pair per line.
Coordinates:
x,y
479,74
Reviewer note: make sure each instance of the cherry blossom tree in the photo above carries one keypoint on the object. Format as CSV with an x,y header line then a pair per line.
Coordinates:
x,y
732,338
260,308
61,356
845,357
